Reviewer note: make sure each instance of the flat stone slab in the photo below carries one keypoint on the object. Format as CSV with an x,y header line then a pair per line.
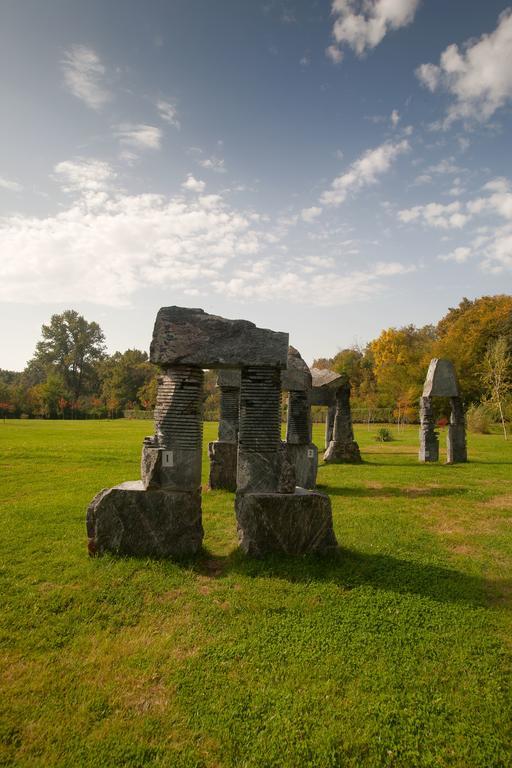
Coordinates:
x,y
229,378
128,520
291,524
305,460
441,379
183,336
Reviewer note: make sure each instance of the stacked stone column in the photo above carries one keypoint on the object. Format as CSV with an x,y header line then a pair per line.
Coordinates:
x,y
301,451
429,440
329,424
343,449
223,452
456,450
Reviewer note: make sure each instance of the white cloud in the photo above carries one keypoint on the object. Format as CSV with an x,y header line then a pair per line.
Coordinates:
x,y
107,244
460,255
310,214
363,24
363,172
193,185
168,112
9,184
84,75
213,163
334,54
395,118
478,77
436,215
139,136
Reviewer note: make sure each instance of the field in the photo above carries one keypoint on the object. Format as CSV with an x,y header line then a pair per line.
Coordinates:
x,y
396,651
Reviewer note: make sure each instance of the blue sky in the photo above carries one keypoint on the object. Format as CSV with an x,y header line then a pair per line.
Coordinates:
x,y
328,168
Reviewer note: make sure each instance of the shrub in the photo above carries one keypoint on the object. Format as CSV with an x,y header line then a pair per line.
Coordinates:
x,y
479,419
384,435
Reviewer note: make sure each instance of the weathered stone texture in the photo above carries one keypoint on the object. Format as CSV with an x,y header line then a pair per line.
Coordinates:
x,y
184,336
291,524
429,439
456,450
222,457
441,379
304,458
343,449
128,520
297,376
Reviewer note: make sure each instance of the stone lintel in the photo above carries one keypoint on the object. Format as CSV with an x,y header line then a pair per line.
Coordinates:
x,y
441,380
191,337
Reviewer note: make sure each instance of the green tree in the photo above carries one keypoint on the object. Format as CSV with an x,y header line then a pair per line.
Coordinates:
x,y
70,347
497,377
123,375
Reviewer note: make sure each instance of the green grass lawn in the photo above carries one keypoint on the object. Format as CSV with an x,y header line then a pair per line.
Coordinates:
x,y
396,651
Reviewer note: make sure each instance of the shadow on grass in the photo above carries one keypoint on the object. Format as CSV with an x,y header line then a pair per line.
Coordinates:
x,y
349,569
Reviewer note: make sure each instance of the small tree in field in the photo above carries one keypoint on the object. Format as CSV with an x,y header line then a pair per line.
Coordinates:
x,y
497,375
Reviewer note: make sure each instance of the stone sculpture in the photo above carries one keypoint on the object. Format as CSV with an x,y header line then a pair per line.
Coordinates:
x,y
441,381
333,390
161,514
302,452
223,452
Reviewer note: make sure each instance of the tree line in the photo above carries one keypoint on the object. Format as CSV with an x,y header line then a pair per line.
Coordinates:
x,y
71,376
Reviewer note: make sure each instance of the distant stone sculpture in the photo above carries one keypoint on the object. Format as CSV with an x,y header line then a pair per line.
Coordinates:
x,y
441,381
333,390
303,453
223,452
161,514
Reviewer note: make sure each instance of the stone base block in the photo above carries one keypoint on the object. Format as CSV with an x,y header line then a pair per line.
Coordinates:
x,y
171,470
291,524
305,460
342,453
128,520
222,465
456,451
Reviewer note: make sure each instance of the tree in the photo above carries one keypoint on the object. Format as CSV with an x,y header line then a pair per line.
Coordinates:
x,y
400,361
464,334
123,376
497,375
70,347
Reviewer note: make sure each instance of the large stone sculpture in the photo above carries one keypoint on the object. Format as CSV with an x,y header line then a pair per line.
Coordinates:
x,y
441,381
302,452
223,452
161,514
333,390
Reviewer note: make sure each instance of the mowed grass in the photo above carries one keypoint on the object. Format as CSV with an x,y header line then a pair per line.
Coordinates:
x,y
396,651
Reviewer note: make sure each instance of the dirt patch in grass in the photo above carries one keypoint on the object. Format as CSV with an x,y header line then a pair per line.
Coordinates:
x,y
503,501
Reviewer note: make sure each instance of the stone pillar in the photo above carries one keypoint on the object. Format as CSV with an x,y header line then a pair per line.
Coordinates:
x,y
223,452
172,459
160,515
259,437
302,452
343,449
329,424
429,439
456,450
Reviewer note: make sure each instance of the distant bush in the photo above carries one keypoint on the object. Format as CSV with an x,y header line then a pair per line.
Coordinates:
x,y
479,419
384,435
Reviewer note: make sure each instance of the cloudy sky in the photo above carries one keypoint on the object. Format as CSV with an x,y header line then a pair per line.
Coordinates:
x,y
323,167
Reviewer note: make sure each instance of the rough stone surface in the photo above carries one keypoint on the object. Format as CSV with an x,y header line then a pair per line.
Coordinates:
x,y
183,336
177,469
298,419
229,378
343,449
291,524
222,465
287,477
342,453
259,470
229,414
441,379
296,377
305,461
259,437
128,520
429,439
456,450
329,424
